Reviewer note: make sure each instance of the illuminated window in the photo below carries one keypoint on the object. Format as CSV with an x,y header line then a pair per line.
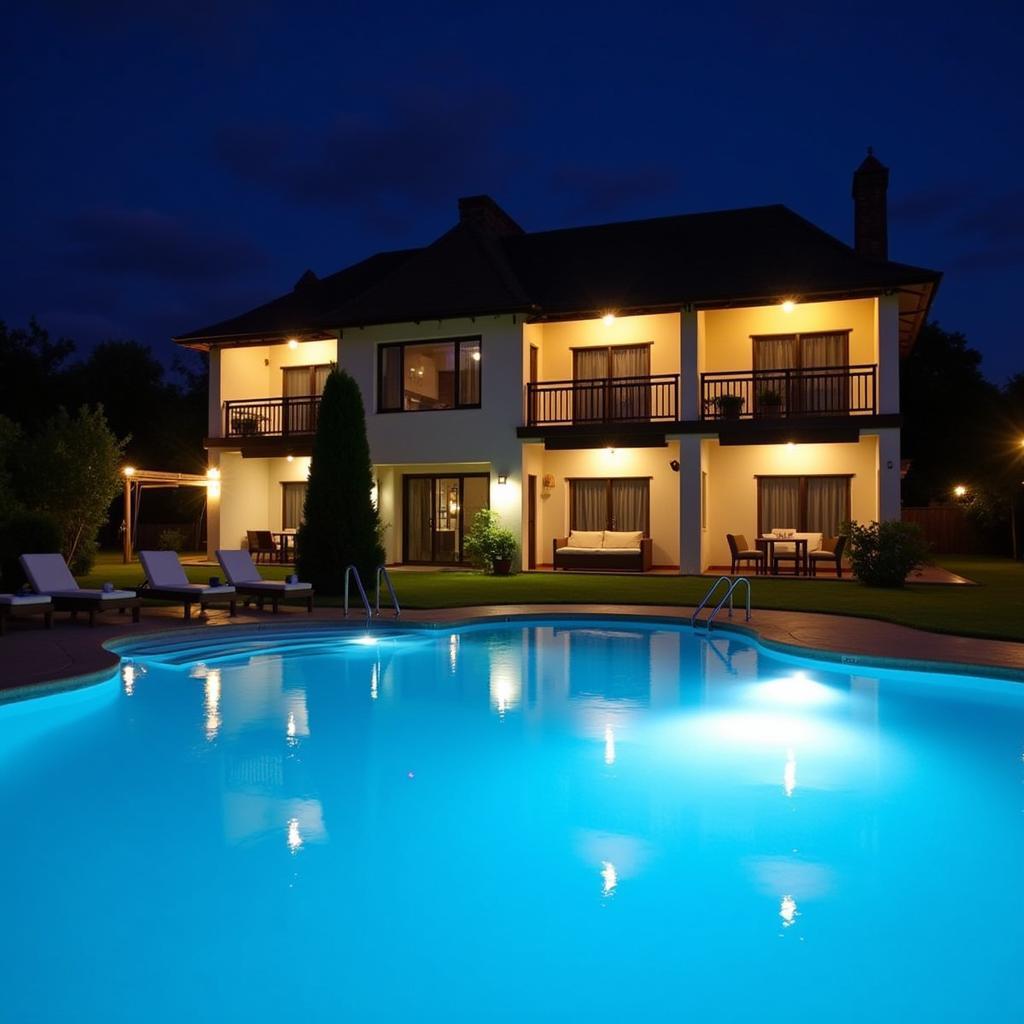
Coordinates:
x,y
422,376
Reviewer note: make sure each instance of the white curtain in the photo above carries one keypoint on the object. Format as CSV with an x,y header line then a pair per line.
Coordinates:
x,y
827,501
772,355
824,393
631,400
588,504
469,373
630,504
294,505
589,364
780,502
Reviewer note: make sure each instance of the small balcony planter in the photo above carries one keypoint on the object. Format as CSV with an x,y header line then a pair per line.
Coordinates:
x,y
729,407
246,425
769,404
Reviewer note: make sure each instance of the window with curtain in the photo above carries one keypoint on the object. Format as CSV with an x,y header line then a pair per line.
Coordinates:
x,y
293,505
604,399
817,381
300,385
618,503
809,504
429,375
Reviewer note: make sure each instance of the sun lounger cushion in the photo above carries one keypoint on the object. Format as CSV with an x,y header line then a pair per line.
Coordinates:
x,y
238,566
277,586
93,595
17,600
48,573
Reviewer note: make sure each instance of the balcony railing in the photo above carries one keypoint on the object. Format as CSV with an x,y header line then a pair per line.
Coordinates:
x,y
271,417
603,400
810,391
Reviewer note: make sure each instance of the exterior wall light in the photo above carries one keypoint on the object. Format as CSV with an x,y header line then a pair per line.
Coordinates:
x,y
129,471
788,306
213,473
289,457
609,319
502,479
960,491
293,343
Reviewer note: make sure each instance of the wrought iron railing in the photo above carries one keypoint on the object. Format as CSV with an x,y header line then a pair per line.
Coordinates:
x,y
810,391
603,400
271,417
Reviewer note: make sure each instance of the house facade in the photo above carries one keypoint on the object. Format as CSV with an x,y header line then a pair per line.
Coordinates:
x,y
686,377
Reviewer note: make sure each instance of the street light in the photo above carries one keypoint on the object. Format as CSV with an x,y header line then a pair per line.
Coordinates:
x,y
960,490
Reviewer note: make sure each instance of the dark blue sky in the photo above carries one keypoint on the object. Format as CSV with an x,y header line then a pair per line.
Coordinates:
x,y
165,170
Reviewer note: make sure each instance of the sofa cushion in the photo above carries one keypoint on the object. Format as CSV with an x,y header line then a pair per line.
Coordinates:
x,y
623,539
582,551
585,538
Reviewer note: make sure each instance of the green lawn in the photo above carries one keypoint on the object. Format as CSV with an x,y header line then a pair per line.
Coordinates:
x,y
993,609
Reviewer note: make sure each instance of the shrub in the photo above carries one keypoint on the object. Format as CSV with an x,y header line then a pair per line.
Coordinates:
x,y
341,525
884,554
171,540
24,533
487,542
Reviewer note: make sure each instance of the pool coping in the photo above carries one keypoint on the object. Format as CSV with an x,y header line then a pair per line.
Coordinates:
x,y
119,646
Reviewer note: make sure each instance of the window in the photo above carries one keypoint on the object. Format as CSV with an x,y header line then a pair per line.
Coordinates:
x,y
809,504
293,505
809,372
620,503
304,381
630,399
417,376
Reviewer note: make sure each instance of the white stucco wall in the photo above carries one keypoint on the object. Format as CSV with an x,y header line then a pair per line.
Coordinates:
x,y
732,487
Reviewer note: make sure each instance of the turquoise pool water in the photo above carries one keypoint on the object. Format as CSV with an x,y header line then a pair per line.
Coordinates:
x,y
533,821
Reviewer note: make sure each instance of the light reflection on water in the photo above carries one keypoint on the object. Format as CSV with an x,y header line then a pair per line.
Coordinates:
x,y
401,796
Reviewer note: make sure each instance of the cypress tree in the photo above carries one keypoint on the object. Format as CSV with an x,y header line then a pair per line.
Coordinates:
x,y
341,526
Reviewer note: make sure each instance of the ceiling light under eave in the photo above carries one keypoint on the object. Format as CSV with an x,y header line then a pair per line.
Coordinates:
x,y
788,305
293,343
609,319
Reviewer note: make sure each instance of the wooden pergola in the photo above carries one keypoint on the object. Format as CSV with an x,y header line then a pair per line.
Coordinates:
x,y
138,480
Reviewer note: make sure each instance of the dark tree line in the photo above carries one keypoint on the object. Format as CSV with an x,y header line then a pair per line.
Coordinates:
x,y
960,429
158,414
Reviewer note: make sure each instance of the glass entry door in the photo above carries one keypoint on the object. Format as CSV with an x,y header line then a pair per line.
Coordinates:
x,y
438,512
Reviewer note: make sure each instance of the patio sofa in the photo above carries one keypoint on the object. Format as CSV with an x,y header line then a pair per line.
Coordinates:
x,y
602,550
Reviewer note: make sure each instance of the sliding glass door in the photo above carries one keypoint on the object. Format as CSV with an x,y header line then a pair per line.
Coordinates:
x,y
439,509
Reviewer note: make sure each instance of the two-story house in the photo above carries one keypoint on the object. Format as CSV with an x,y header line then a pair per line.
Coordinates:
x,y
688,376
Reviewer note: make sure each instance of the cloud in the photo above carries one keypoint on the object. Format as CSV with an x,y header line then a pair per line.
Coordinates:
x,y
597,192
155,245
422,147
982,230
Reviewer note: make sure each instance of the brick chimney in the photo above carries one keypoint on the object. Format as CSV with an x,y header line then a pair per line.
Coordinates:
x,y
870,211
486,213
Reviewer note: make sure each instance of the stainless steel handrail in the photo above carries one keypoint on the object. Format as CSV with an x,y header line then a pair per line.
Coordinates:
x,y
353,571
382,571
727,596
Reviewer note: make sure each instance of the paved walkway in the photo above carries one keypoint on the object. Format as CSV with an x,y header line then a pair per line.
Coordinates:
x,y
43,659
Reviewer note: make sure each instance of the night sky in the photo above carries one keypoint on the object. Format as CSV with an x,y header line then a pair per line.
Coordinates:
x,y
162,171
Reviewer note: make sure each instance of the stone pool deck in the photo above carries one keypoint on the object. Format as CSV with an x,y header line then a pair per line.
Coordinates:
x,y
34,660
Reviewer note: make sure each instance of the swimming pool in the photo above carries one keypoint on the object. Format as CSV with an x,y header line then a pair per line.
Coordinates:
x,y
530,820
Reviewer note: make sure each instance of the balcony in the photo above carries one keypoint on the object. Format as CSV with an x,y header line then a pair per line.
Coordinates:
x,y
271,417
818,391
649,399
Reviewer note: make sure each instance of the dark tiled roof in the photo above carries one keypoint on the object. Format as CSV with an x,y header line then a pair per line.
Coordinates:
x,y
732,256
299,309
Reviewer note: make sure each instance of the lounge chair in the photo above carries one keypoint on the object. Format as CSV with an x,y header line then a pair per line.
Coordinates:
x,y
739,552
243,575
261,544
831,551
166,581
20,606
49,574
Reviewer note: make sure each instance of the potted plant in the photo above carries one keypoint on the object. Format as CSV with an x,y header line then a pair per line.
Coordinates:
x,y
246,424
769,402
490,546
729,406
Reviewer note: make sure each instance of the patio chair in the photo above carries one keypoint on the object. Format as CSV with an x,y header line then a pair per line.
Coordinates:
x,y
19,606
261,543
49,574
166,581
831,551
243,575
741,553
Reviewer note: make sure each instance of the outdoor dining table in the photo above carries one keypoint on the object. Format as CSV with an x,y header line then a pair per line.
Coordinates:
x,y
767,544
285,544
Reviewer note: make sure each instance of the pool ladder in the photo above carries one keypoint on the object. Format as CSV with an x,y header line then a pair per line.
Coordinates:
x,y
382,573
731,585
